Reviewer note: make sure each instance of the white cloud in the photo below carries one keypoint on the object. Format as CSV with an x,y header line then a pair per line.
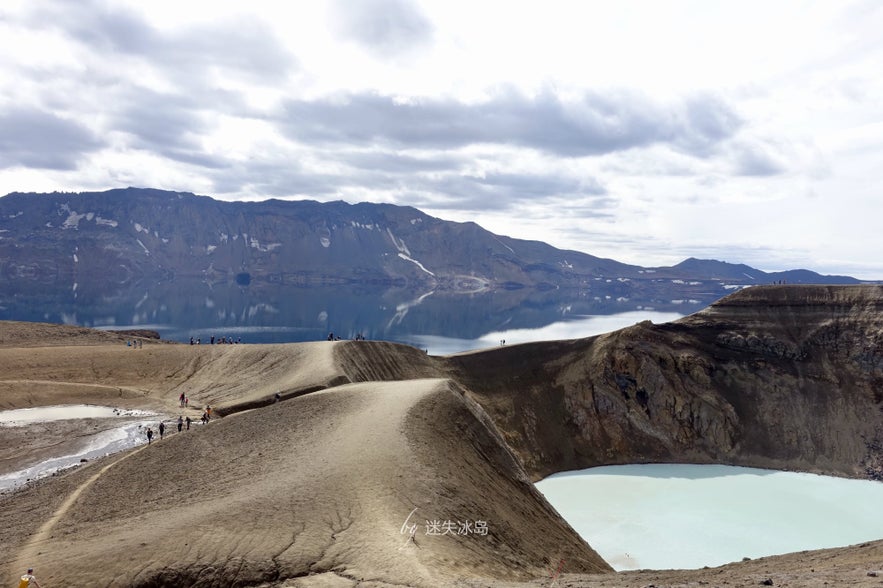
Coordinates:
x,y
643,131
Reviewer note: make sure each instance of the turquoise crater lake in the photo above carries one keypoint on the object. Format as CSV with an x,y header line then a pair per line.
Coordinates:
x,y
669,516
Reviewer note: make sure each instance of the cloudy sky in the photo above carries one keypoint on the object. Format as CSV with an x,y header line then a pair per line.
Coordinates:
x,y
647,131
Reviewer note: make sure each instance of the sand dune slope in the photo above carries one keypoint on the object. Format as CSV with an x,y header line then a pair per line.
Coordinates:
x,y
319,484
225,376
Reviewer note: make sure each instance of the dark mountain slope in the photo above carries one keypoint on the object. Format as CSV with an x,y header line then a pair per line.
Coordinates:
x,y
786,377
120,237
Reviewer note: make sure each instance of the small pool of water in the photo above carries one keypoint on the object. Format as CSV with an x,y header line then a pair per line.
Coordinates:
x,y
668,516
41,414
129,433
97,445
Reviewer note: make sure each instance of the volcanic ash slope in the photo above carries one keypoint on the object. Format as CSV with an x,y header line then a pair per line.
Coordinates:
x,y
318,487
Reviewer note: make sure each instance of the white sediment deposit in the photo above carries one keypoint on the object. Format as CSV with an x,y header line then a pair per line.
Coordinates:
x,y
61,412
666,516
86,444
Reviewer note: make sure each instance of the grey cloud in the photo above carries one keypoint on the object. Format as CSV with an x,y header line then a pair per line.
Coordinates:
x,y
32,138
384,27
198,158
708,122
501,191
448,189
757,158
399,163
167,125
247,47
595,125
751,162
531,186
160,121
274,178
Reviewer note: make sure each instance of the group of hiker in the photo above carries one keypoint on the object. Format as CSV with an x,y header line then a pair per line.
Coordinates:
x,y
182,421
217,341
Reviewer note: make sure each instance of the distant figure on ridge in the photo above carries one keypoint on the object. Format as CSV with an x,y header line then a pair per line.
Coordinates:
x,y
181,399
188,421
162,429
149,435
180,423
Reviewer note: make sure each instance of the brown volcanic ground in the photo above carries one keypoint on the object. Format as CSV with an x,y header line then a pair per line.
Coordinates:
x,y
314,490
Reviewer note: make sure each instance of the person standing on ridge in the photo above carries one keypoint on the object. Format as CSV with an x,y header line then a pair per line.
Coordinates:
x,y
28,580
162,429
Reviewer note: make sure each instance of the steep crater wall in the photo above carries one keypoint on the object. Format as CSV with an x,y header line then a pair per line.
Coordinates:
x,y
785,377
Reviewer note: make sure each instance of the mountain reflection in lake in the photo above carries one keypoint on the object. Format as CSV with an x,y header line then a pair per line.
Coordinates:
x,y
440,321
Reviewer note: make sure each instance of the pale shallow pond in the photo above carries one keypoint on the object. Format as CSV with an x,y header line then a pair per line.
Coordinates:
x,y
664,516
122,430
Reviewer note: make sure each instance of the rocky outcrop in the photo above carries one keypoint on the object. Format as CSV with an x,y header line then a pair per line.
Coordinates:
x,y
786,377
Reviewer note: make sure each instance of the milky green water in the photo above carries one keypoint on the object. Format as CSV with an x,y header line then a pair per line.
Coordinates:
x,y
665,516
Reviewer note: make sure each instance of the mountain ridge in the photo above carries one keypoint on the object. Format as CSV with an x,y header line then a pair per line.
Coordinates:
x,y
123,235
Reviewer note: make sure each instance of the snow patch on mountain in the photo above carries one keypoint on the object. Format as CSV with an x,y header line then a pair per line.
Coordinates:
x,y
417,263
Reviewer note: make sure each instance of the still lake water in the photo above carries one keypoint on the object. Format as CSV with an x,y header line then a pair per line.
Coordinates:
x,y
440,321
574,327
664,516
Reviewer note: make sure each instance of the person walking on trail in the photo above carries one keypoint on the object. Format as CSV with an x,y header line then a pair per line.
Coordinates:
x,y
28,580
181,398
188,421
208,413
180,423
162,429
149,435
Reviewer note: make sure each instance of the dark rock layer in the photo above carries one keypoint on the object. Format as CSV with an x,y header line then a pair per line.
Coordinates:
x,y
786,377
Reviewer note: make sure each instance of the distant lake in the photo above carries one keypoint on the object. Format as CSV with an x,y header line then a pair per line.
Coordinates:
x,y
664,516
442,322
574,327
